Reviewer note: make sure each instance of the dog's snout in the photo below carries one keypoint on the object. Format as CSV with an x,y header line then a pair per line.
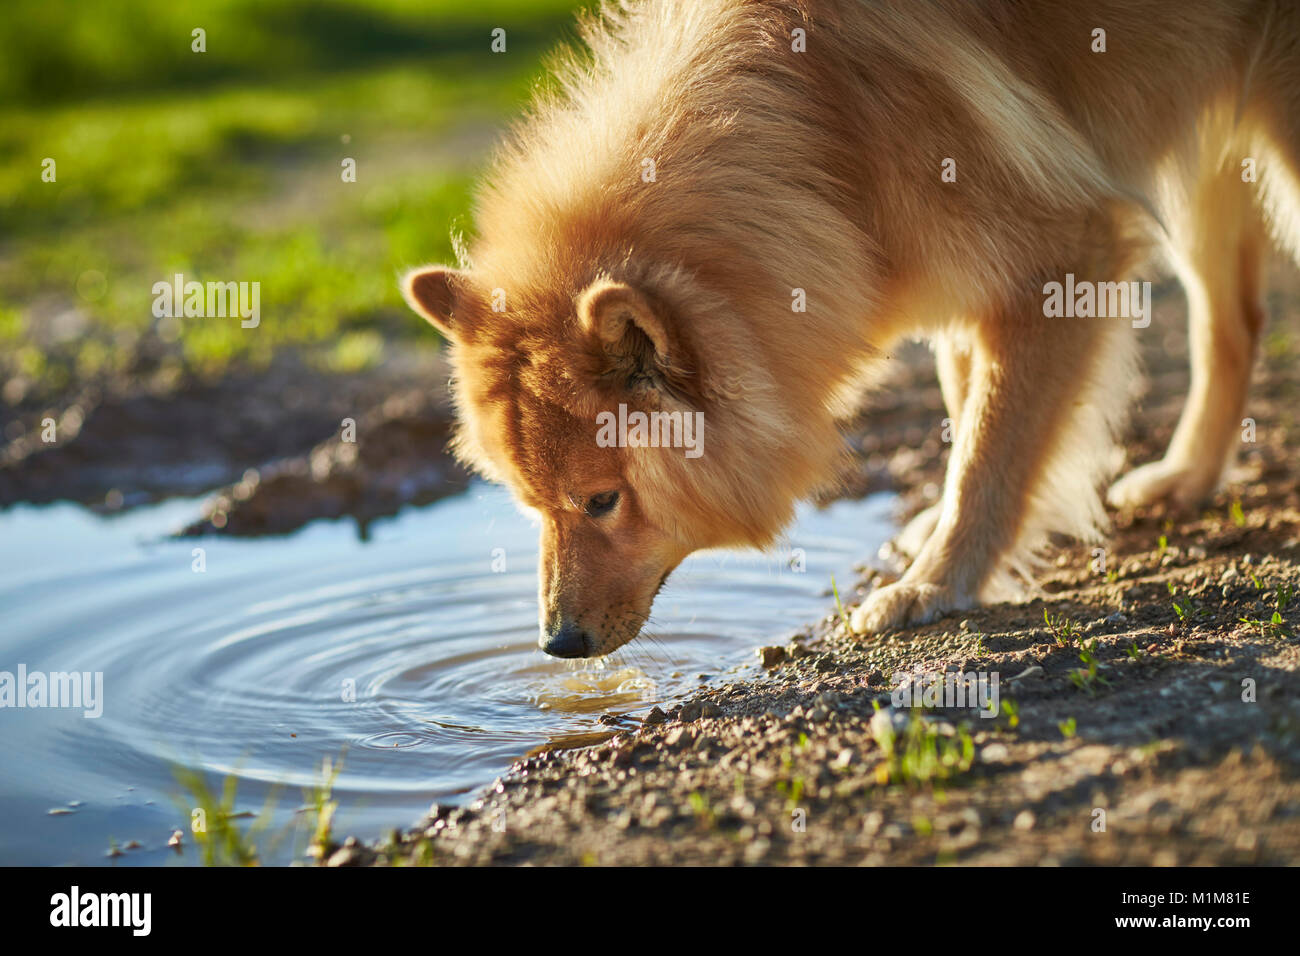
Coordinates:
x,y
566,639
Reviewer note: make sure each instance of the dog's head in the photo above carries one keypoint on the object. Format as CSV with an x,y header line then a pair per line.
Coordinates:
x,y
550,378
532,379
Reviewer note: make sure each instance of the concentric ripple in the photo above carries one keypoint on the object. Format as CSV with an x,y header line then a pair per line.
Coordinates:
x,y
413,654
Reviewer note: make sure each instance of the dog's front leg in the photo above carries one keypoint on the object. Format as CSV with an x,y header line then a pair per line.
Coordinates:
x,y
1028,375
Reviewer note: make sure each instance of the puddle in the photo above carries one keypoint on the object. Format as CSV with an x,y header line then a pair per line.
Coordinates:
x,y
415,650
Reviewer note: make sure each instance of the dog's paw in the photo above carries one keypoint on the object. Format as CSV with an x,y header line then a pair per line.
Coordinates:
x,y
899,605
1174,483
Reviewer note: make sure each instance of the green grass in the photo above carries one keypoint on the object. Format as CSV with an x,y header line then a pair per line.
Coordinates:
x,y
1011,711
58,50
212,817
1275,627
321,806
921,755
222,841
839,607
1062,629
225,166
1088,677
704,816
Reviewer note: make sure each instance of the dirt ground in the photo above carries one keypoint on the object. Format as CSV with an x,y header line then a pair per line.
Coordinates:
x,y
1149,696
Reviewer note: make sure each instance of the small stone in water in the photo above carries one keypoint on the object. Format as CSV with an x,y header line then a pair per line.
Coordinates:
x,y
347,856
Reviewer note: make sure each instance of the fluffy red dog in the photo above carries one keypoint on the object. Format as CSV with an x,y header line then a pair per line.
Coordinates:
x,y
733,207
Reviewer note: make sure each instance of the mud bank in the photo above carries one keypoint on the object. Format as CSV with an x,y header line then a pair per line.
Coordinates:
x,y
1148,711
282,446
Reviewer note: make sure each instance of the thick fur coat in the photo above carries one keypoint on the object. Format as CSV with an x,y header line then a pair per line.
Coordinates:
x,y
736,208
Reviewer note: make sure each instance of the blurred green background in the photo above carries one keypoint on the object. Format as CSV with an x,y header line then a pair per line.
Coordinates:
x,y
225,165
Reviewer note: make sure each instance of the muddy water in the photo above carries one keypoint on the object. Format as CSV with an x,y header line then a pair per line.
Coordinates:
x,y
412,653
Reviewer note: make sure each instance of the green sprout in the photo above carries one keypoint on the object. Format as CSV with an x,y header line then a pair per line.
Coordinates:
x,y
1062,628
839,606
1088,678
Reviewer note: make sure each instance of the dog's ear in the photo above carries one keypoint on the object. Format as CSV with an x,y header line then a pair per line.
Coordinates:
x,y
437,293
632,334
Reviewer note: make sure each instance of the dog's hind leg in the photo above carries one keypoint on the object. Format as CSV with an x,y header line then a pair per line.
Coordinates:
x,y
1219,259
952,361
1220,254
1041,399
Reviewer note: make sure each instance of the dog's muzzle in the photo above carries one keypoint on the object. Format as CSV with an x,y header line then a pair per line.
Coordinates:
x,y
565,639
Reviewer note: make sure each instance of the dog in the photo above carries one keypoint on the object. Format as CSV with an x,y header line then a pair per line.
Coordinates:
x,y
732,209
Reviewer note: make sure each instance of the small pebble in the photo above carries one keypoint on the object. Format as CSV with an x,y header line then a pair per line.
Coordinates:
x,y
995,753
346,856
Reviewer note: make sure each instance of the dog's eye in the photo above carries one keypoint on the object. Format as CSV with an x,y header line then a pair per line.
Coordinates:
x,y
601,504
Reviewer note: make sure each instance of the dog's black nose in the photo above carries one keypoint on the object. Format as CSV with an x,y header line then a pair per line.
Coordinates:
x,y
566,640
